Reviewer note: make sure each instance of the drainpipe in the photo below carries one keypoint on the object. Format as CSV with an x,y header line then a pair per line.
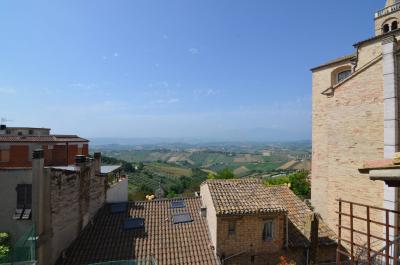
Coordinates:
x,y
287,231
232,256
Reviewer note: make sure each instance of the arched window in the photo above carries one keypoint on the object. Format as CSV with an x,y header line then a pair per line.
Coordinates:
x,y
343,75
386,28
394,25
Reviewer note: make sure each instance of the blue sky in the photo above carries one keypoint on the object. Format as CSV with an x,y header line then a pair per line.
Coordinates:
x,y
215,69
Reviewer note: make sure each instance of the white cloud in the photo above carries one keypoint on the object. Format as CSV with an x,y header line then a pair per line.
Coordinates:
x,y
194,51
7,90
166,101
205,92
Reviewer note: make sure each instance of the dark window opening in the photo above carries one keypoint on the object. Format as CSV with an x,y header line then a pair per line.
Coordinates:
x,y
19,133
252,259
343,75
8,131
24,202
386,28
268,230
232,228
394,25
30,132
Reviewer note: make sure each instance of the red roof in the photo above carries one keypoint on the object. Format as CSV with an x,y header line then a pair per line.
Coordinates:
x,y
41,139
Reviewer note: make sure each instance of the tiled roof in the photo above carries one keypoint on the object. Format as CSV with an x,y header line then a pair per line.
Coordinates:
x,y
250,196
297,214
337,60
42,139
168,243
242,197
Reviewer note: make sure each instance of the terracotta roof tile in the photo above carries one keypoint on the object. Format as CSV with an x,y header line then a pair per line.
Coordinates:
x,y
168,243
42,139
242,197
251,196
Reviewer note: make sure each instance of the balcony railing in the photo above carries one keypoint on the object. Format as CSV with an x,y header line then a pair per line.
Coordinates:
x,y
387,10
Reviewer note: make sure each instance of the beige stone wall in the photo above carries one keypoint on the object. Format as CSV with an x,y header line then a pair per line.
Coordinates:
x,y
75,199
211,213
248,235
379,22
347,129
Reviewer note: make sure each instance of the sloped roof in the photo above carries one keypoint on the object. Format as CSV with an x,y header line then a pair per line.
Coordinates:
x,y
251,196
168,243
337,60
297,214
242,197
41,139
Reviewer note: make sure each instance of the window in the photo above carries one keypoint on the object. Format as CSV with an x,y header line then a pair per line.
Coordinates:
x,y
343,75
24,196
232,228
19,133
268,230
8,131
4,155
386,28
24,202
30,132
394,25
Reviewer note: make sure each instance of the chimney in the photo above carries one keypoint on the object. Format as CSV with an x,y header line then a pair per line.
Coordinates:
x,y
314,238
80,159
97,162
38,201
3,129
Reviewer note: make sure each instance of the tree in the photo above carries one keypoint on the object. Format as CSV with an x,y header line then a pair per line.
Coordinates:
x,y
300,183
226,173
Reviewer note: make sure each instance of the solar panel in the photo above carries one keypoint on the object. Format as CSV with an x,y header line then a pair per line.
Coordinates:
x,y
118,207
181,218
18,213
133,223
27,214
178,204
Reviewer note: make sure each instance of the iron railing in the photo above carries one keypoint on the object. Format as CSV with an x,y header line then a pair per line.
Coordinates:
x,y
360,245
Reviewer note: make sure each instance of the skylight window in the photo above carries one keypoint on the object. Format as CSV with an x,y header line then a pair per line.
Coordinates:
x,y
133,223
181,218
178,204
118,207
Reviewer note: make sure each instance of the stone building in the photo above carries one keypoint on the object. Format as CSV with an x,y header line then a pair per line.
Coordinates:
x,y
355,118
230,222
18,143
253,224
48,194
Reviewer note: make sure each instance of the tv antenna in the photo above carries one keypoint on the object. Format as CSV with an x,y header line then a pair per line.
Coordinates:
x,y
3,120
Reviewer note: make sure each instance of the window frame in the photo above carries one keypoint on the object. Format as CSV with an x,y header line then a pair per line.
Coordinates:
x,y
24,196
265,236
231,228
348,73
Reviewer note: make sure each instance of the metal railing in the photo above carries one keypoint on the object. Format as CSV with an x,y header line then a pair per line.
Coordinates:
x,y
361,245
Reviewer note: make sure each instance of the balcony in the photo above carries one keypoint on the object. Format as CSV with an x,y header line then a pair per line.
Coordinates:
x,y
387,10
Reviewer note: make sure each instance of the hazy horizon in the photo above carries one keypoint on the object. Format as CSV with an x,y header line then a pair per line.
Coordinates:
x,y
226,70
